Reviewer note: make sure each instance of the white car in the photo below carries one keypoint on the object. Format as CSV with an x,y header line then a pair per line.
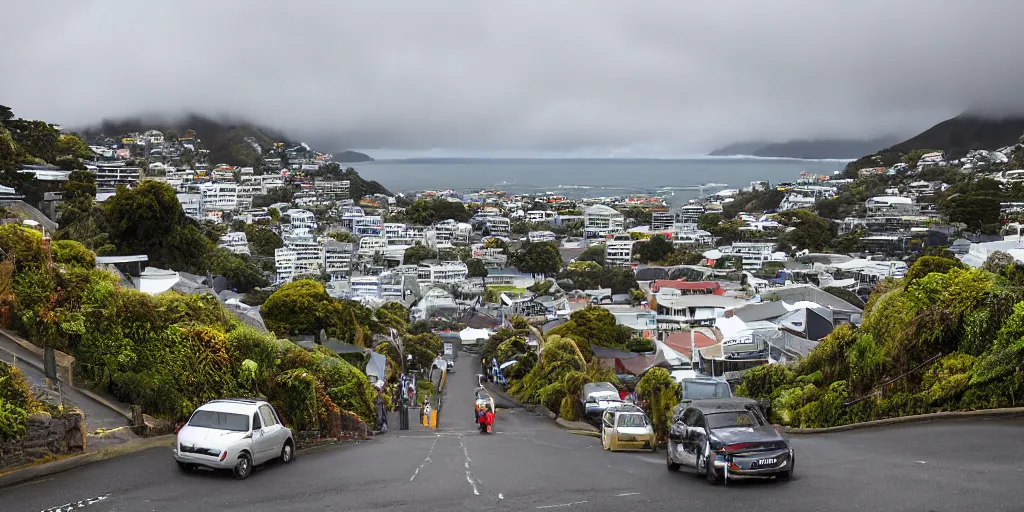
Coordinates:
x,y
235,434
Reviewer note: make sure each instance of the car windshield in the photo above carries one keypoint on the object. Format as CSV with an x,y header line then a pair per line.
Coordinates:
x,y
732,419
632,420
697,390
220,421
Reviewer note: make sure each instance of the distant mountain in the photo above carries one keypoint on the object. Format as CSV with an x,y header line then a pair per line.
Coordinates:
x,y
964,133
225,138
954,136
817,149
350,157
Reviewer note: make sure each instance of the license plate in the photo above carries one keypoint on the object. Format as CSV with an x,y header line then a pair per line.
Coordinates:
x,y
765,462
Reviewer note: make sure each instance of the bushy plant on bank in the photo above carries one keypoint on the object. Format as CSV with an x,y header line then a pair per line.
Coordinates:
x,y
170,353
944,339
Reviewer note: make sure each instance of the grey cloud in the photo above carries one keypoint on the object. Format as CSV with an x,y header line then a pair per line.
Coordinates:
x,y
670,77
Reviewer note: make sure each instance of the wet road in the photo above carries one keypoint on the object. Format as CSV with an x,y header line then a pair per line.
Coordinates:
x,y
532,464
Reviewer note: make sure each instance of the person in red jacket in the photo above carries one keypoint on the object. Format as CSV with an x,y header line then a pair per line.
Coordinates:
x,y
486,421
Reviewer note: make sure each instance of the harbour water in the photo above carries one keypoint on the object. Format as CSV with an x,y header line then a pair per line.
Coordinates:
x,y
586,177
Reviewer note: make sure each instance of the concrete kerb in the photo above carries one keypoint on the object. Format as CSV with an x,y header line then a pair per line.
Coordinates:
x,y
19,475
1011,412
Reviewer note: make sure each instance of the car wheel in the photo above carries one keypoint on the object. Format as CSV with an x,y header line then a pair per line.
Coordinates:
x,y
186,467
671,464
243,466
287,452
787,474
710,471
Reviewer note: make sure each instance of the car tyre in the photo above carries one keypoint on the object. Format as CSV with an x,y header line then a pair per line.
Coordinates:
x,y
287,452
669,463
709,469
243,466
185,467
787,474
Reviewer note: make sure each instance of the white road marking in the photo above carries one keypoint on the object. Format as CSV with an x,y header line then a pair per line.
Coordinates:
x,y
469,475
425,461
68,507
627,494
563,504
922,462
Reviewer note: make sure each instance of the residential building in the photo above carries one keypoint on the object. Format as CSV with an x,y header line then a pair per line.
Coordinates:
x,y
688,214
753,254
540,216
688,287
301,219
446,272
332,190
110,176
235,242
337,258
600,221
219,196
371,245
498,226
618,252
246,193
192,204
540,236
368,225
662,220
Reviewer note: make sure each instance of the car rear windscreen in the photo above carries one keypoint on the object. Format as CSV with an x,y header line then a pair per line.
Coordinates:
x,y
220,421
732,419
704,390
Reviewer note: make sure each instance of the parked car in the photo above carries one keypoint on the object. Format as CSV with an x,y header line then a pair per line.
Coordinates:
x,y
236,434
728,438
598,397
626,427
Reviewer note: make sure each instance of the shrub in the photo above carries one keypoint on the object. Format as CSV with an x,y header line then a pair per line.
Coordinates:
x,y
72,253
660,392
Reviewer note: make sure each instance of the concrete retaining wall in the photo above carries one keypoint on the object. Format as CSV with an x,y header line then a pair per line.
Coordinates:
x,y
45,435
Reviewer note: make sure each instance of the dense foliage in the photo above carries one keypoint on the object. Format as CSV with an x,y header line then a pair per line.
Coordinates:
x,y
949,339
170,353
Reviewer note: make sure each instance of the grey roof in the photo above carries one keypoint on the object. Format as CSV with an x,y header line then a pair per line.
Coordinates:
x,y
761,311
796,293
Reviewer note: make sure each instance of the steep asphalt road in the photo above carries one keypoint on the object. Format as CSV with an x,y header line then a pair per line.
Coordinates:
x,y
531,464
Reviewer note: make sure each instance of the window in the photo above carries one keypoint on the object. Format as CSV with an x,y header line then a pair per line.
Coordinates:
x,y
256,425
632,420
698,390
608,420
734,419
268,415
220,421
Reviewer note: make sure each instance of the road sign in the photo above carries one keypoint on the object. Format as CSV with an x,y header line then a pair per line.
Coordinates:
x,y
449,348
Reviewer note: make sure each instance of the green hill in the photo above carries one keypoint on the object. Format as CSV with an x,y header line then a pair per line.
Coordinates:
x,y
225,139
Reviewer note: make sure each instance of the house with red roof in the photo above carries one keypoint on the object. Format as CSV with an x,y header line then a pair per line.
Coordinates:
x,y
688,287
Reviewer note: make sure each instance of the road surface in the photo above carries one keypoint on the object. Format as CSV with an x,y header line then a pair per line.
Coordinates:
x,y
531,464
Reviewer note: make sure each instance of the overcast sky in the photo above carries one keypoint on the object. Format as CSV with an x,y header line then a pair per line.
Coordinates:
x,y
649,77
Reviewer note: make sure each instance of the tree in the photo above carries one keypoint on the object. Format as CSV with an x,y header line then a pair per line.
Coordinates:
x,y
655,248
496,243
72,146
682,257
148,219
299,307
344,237
262,240
476,268
428,211
417,253
594,253
928,264
979,213
241,272
808,231
81,186
539,258
708,221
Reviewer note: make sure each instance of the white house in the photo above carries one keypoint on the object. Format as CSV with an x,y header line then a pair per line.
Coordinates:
x,y
600,220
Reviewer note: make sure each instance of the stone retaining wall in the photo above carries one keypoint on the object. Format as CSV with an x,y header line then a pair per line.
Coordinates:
x,y
45,435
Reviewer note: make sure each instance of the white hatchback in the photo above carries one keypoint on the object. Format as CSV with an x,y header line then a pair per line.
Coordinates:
x,y
235,434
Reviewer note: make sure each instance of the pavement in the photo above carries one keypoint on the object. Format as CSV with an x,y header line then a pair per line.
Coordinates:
x,y
530,463
97,414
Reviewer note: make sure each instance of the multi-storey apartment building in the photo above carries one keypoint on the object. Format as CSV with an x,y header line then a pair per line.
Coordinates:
x,y
600,221
236,242
618,252
446,272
